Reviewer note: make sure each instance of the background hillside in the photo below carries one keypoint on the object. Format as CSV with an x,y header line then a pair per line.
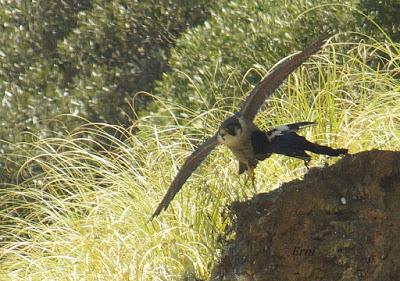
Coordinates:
x,y
75,200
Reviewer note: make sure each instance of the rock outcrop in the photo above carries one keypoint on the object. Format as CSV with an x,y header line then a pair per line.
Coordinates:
x,y
339,223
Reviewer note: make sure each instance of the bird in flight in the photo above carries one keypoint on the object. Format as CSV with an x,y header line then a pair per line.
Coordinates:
x,y
247,142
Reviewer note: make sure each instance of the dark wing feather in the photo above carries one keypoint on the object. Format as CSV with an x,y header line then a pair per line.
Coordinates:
x,y
191,164
270,83
299,125
293,127
286,129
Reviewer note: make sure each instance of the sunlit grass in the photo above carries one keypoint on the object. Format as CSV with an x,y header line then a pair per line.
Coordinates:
x,y
84,216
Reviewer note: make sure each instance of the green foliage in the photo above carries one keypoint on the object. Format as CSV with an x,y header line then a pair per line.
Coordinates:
x,y
232,50
243,39
83,58
121,47
385,13
31,77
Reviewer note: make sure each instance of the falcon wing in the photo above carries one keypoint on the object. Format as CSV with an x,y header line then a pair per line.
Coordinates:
x,y
288,128
270,83
191,164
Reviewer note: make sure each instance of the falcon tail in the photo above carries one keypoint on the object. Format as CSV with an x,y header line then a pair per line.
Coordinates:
x,y
325,150
293,145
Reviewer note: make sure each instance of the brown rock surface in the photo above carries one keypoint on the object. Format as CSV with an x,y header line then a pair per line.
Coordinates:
x,y
340,223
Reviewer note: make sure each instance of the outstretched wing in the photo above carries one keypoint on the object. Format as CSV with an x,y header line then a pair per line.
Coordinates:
x,y
191,164
271,82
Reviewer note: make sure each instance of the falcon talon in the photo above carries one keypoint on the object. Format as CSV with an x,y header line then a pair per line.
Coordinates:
x,y
254,185
306,162
252,176
248,143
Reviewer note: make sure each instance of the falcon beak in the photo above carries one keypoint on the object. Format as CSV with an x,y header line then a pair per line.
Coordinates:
x,y
224,131
221,134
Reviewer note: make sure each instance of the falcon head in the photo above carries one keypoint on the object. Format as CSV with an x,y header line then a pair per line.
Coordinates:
x,y
230,130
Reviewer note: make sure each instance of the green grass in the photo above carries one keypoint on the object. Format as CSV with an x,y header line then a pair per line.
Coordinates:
x,y
85,216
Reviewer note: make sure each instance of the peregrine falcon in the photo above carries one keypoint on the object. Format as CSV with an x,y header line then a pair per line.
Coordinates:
x,y
247,142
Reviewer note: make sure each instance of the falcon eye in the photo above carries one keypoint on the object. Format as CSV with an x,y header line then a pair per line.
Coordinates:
x,y
232,128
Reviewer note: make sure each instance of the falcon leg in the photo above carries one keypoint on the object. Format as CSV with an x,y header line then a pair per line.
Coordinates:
x,y
252,176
